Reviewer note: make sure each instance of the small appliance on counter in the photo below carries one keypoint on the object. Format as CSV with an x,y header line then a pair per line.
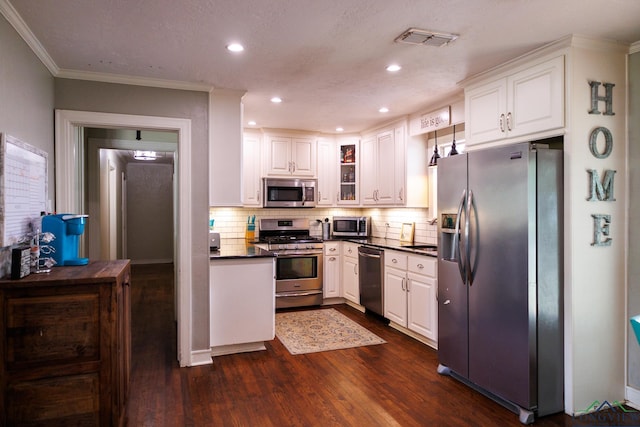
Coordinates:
x,y
214,240
67,229
351,226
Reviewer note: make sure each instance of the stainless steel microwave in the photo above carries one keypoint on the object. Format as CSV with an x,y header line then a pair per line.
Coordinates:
x,y
290,193
351,226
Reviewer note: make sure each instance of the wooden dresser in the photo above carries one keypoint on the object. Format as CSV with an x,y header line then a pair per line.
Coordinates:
x,y
65,346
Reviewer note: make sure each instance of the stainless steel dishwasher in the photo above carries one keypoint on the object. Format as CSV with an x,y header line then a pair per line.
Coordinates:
x,y
370,273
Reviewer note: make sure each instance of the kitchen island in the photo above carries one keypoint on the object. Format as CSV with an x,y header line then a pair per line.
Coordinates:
x,y
242,297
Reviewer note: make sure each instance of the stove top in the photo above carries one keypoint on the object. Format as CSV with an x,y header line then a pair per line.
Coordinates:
x,y
288,234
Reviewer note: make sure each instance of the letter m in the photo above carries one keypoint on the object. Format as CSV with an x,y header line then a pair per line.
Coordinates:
x,y
602,191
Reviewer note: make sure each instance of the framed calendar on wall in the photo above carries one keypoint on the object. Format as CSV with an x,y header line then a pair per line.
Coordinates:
x,y
23,188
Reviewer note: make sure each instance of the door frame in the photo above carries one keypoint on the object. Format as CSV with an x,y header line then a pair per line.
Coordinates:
x,y
69,149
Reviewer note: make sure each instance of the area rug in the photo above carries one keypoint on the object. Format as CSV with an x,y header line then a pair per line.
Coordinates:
x,y
321,330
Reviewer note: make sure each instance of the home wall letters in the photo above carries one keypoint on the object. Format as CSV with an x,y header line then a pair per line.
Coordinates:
x,y
601,190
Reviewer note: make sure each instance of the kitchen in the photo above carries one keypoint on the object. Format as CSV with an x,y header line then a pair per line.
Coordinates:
x,y
77,95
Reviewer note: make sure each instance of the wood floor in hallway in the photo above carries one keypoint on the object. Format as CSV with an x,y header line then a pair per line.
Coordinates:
x,y
392,384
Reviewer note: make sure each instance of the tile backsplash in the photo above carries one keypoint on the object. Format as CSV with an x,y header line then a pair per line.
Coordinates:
x,y
385,222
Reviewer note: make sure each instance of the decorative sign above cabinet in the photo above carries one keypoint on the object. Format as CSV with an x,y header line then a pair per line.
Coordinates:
x,y
431,121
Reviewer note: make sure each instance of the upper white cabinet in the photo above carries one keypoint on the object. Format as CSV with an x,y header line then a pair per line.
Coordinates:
x,y
523,103
291,155
251,169
348,173
225,147
327,155
382,166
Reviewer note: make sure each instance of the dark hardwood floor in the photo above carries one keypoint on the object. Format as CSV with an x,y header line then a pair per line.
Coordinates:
x,y
393,384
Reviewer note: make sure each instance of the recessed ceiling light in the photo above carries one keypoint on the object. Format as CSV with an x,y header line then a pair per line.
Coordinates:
x,y
339,129
276,100
393,68
384,110
235,47
251,123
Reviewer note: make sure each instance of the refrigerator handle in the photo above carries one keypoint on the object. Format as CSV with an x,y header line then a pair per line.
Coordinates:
x,y
467,226
456,238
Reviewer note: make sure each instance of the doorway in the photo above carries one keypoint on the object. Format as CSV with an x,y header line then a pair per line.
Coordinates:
x,y
130,194
70,188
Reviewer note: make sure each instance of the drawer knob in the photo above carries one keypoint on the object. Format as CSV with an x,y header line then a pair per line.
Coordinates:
x,y
420,266
395,261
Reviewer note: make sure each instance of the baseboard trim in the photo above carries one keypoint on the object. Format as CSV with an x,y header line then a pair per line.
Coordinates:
x,y
414,335
633,397
201,357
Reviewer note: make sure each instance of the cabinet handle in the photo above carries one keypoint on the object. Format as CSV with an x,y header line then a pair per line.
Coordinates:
x,y
293,165
408,281
319,195
337,196
258,195
502,123
332,249
509,121
355,269
420,266
393,260
289,167
400,194
332,258
402,285
349,250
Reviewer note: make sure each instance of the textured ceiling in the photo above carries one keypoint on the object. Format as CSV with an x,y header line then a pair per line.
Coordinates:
x,y
325,58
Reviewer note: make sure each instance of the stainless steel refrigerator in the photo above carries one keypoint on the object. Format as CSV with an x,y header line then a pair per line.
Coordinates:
x,y
500,304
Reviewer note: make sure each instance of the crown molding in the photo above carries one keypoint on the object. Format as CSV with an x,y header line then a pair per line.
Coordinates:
x,y
16,21
634,48
132,80
14,18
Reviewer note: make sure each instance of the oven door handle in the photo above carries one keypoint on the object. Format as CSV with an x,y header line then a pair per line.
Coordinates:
x,y
297,294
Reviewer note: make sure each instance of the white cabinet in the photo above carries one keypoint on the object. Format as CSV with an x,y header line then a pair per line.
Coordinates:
x,y
291,155
522,103
350,285
327,155
242,304
395,287
383,167
348,173
422,287
410,286
331,264
251,169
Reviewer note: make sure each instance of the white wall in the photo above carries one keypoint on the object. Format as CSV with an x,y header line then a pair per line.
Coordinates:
x,y
594,275
633,254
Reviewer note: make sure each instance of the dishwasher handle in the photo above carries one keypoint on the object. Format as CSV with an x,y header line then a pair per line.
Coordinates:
x,y
370,252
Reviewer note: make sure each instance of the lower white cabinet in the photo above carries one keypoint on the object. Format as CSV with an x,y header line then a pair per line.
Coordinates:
x,y
331,264
410,286
350,285
242,304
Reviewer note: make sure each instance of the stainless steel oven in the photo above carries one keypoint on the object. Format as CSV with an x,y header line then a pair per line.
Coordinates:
x,y
298,261
298,279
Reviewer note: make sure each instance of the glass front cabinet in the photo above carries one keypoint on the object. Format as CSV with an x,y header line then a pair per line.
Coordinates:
x,y
349,151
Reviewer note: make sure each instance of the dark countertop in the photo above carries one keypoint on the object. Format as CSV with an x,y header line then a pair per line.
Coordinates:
x,y
239,248
397,245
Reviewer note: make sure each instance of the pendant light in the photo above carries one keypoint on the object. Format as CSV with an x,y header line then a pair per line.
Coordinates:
x,y
436,156
453,151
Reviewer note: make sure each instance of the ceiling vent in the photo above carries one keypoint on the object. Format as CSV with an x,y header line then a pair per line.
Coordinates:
x,y
428,38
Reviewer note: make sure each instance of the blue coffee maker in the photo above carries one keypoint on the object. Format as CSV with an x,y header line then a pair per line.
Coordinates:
x,y
67,229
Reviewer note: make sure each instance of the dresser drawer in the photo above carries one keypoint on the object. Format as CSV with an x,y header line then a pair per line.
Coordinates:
x,y
52,328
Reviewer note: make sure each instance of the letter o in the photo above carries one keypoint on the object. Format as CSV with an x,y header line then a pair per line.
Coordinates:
x,y
608,139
